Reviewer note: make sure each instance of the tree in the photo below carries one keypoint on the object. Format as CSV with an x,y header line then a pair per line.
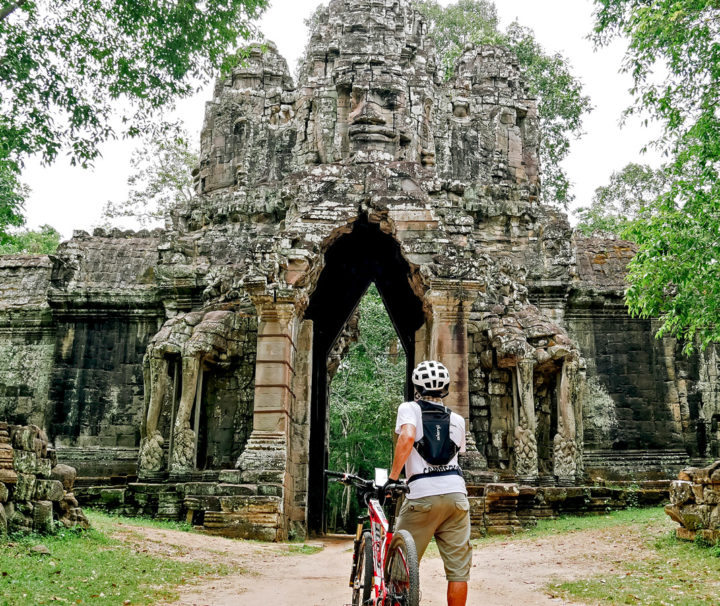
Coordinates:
x,y
364,397
67,68
12,200
161,178
630,193
561,103
43,241
674,57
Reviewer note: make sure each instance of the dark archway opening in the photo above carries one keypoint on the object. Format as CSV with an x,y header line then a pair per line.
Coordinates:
x,y
363,256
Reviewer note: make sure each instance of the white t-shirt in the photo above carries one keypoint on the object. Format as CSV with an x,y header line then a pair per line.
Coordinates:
x,y
410,413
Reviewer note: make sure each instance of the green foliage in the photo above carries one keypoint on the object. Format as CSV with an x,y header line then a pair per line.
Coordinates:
x,y
561,102
630,193
66,68
90,567
43,241
160,178
452,27
364,397
673,56
12,199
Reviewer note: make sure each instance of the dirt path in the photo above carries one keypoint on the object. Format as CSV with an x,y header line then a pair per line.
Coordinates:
x,y
505,573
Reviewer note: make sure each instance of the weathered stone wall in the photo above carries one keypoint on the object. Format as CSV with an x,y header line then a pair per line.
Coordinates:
x,y
27,338
643,394
96,389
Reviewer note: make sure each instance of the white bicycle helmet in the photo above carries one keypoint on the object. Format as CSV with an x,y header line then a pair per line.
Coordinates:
x,y
431,376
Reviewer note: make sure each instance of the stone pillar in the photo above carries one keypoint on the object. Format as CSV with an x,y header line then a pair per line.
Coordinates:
x,y
526,455
565,448
451,304
264,461
299,444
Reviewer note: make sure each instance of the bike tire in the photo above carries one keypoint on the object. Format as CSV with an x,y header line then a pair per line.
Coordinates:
x,y
363,581
401,571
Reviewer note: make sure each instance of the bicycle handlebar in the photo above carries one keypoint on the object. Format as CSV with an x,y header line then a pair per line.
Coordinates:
x,y
367,485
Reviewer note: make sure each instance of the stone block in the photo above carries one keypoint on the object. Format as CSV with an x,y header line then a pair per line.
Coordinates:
x,y
202,503
19,522
251,505
24,438
712,495
3,522
25,487
237,489
112,497
271,490
49,490
43,516
44,468
497,389
681,492
64,474
8,476
4,493
200,488
25,461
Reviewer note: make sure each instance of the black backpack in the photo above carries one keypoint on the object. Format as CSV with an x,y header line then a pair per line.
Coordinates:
x,y
436,447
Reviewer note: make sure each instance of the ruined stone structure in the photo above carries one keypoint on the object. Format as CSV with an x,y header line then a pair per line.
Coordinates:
x,y
196,358
35,492
695,503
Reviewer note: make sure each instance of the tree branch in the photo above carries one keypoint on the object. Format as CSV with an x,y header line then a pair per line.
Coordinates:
x,y
5,12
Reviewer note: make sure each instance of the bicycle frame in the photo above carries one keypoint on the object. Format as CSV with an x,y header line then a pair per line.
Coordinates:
x,y
381,533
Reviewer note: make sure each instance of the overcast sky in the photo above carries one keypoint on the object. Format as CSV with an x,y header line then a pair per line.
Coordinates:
x,y
72,198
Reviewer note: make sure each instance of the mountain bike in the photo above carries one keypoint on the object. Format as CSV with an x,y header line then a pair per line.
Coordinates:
x,y
385,563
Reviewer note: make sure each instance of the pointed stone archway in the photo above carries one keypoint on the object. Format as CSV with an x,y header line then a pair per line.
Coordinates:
x,y
363,256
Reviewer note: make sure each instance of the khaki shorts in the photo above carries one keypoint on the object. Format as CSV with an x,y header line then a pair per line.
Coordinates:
x,y
447,518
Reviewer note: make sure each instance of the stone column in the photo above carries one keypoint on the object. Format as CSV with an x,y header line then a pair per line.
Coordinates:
x,y
526,455
264,461
565,448
451,304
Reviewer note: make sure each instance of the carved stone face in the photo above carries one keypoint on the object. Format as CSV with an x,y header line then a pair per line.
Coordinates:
x,y
377,120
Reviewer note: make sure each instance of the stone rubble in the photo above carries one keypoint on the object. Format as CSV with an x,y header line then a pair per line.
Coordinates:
x,y
695,503
35,491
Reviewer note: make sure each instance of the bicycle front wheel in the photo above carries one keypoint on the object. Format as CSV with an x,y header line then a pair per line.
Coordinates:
x,y
401,571
363,581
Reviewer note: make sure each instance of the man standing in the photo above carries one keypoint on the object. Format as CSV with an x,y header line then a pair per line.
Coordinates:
x,y
429,439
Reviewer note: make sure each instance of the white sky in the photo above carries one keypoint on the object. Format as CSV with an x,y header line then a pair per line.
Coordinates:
x,y
72,198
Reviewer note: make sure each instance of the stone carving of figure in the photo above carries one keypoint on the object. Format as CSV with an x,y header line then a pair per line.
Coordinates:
x,y
200,338
565,447
526,457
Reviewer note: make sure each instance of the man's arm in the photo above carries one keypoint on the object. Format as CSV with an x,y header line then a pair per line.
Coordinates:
x,y
403,448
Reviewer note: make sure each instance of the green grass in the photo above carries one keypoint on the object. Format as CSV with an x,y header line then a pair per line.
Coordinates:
x,y
103,519
568,523
90,568
671,572
301,549
623,517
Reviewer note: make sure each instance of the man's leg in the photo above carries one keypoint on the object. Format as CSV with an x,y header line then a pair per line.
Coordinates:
x,y
457,593
453,541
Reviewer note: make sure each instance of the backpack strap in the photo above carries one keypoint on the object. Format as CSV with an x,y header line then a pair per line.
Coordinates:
x,y
434,474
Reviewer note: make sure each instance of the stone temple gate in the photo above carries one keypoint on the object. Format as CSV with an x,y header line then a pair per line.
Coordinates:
x,y
197,357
